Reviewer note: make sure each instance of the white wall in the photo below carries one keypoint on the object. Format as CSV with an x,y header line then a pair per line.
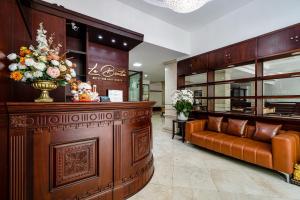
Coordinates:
x,y
170,87
256,18
155,30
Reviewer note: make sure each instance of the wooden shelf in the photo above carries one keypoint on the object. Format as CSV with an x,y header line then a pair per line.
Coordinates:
x,y
76,52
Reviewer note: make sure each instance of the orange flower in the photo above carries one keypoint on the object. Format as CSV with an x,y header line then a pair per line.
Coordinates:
x,y
23,51
16,75
22,60
84,97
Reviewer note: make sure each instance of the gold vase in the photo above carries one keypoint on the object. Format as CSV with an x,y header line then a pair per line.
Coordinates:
x,y
45,87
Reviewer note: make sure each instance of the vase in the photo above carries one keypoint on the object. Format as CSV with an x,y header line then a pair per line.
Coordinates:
x,y
182,117
45,87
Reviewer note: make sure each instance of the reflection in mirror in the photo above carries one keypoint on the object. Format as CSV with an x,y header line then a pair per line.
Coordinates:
x,y
235,89
282,66
245,71
196,79
246,106
286,86
282,107
200,92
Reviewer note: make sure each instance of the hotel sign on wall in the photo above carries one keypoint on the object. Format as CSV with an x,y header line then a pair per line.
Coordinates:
x,y
107,73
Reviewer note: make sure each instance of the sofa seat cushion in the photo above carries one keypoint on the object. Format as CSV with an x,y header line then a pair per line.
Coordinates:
x,y
249,150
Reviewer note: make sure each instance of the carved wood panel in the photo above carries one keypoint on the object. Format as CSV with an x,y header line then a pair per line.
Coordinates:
x,y
73,162
140,144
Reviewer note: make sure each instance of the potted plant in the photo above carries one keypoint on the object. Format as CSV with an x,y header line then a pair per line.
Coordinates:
x,y
183,103
42,66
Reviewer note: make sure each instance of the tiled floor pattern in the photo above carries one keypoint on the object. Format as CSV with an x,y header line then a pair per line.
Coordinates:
x,y
186,172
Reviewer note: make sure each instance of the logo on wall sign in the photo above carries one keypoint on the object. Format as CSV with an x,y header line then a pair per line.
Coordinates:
x,y
107,73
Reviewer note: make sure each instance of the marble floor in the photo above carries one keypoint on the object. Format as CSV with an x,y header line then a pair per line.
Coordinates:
x,y
186,172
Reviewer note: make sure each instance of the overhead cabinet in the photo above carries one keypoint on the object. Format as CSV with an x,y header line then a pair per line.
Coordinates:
x,y
184,67
282,41
238,53
199,64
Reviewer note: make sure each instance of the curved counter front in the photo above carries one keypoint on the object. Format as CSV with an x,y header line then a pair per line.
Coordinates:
x,y
86,151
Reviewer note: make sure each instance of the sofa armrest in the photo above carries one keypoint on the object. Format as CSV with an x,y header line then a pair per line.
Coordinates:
x,y
194,126
285,150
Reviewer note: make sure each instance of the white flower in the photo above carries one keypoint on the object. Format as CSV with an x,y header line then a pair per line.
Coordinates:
x,y
13,67
62,68
28,75
37,74
68,77
54,62
73,72
68,63
12,56
24,79
40,66
29,62
20,66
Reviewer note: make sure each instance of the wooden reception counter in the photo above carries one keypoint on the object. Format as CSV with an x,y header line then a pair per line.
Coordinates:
x,y
60,151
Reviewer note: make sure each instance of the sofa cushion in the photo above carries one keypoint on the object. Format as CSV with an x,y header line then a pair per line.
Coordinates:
x,y
214,124
250,130
265,132
236,127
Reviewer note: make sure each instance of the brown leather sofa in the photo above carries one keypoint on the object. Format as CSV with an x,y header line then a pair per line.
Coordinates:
x,y
280,154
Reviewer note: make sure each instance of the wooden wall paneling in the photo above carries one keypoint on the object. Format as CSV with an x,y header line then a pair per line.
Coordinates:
x,y
210,91
103,55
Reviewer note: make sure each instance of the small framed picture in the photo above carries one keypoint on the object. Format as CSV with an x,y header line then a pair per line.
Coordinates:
x,y
115,95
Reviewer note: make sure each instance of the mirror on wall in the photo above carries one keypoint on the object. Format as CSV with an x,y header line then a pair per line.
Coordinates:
x,y
241,72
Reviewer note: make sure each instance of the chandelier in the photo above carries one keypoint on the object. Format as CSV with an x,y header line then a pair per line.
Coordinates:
x,y
180,6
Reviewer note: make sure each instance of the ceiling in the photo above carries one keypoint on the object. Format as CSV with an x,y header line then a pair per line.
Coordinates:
x,y
152,57
192,21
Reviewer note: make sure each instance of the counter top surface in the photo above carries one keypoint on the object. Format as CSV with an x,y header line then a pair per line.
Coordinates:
x,y
24,107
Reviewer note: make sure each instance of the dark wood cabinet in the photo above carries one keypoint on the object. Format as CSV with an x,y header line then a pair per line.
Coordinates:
x,y
184,67
216,59
199,64
241,52
238,53
282,41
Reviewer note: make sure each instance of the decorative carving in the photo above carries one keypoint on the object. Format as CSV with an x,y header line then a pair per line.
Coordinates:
x,y
61,121
73,162
139,172
95,190
140,143
18,121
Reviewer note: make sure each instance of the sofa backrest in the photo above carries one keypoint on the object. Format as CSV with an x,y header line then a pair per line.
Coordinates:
x,y
250,130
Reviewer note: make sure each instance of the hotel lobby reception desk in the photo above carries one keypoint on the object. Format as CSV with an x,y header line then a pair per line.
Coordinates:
x,y
86,151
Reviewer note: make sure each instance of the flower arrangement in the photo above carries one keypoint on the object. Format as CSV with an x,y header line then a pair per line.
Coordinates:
x,y
182,101
41,63
84,92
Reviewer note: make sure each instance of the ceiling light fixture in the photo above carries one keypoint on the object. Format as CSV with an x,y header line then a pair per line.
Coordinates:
x,y
137,64
100,37
113,40
180,6
125,44
146,75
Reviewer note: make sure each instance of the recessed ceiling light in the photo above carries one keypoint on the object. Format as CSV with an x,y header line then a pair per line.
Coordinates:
x,y
146,75
137,64
100,37
113,40
125,44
